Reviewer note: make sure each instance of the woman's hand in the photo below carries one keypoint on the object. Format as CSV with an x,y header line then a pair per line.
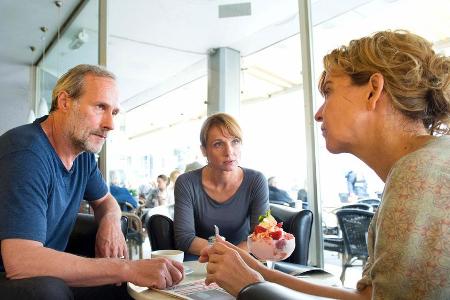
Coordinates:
x,y
248,259
227,268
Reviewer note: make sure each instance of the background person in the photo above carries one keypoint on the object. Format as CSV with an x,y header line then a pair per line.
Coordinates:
x,y
194,165
171,187
121,194
356,185
160,195
145,191
123,197
48,167
276,194
387,101
222,193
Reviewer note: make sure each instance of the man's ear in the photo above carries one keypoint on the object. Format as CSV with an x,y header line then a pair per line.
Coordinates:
x,y
63,101
376,86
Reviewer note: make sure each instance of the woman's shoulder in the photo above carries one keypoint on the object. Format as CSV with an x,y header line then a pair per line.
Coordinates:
x,y
190,177
421,174
251,173
431,158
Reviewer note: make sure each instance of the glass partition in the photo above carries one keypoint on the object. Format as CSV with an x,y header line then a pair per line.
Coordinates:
x,y
77,44
272,113
161,65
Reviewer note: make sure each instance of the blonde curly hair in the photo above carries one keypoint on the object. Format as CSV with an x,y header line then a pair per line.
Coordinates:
x,y
416,78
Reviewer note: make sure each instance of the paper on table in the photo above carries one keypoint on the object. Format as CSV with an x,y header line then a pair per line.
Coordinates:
x,y
197,290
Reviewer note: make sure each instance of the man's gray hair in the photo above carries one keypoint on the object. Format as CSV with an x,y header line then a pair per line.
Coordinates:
x,y
73,81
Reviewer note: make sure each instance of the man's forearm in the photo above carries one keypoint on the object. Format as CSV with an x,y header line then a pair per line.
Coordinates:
x,y
106,207
35,260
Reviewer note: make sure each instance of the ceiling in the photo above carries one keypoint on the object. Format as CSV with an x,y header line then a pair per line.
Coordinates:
x,y
156,45
21,22
155,39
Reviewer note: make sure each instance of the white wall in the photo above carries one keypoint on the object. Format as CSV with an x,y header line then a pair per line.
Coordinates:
x,y
15,100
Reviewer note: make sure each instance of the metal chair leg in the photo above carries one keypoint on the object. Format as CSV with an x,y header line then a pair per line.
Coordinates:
x,y
345,262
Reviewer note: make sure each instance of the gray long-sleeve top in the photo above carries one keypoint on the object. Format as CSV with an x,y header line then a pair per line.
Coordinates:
x,y
196,213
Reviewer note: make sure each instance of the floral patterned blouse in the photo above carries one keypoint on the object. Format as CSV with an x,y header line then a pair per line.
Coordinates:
x,y
409,237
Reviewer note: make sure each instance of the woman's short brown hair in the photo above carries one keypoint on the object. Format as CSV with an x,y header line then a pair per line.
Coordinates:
x,y
223,121
416,78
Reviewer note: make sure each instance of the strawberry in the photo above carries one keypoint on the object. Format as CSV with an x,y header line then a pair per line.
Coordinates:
x,y
259,229
276,235
280,224
280,244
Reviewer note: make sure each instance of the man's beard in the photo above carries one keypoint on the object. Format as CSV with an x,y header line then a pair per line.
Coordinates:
x,y
80,135
83,144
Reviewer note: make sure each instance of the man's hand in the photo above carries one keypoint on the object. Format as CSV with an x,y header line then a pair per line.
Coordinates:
x,y
110,241
157,273
228,269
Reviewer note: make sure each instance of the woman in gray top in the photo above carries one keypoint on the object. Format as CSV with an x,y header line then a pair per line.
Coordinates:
x,y
222,193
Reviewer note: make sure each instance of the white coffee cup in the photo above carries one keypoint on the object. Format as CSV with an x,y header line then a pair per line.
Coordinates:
x,y
176,255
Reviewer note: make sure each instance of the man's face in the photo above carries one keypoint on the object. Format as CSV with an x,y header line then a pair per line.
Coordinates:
x,y
91,116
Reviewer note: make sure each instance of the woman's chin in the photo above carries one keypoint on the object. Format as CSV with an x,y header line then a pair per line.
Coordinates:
x,y
335,148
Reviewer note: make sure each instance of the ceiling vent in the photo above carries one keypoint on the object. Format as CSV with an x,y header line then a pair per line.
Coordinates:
x,y
235,10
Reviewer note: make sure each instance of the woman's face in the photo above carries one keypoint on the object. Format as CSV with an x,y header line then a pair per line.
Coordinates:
x,y
222,150
344,113
162,184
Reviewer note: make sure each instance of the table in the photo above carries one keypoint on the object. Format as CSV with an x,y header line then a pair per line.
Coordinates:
x,y
143,293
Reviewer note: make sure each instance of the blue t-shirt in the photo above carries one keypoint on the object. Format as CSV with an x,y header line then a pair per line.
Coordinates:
x,y
39,198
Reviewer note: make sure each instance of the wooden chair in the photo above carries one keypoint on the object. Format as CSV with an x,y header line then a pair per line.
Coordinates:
x,y
135,235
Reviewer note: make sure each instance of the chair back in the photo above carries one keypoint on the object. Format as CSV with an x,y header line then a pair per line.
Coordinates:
x,y
298,223
362,206
370,201
290,204
354,224
160,231
83,236
375,203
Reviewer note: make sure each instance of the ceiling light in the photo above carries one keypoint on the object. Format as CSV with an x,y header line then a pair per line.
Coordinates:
x,y
80,39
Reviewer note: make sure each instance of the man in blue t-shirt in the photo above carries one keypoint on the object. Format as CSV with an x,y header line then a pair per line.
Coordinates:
x,y
47,168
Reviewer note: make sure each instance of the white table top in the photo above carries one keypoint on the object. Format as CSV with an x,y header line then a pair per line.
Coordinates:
x,y
143,293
